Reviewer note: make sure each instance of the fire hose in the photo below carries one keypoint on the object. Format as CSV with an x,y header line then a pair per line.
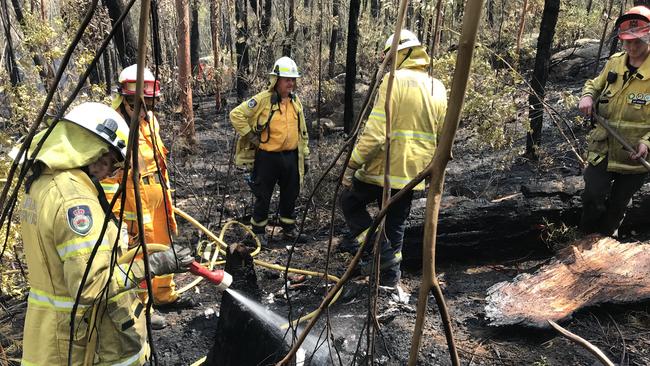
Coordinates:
x,y
219,277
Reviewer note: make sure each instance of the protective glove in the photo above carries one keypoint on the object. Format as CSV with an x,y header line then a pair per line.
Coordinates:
x,y
253,138
306,166
347,177
124,239
167,262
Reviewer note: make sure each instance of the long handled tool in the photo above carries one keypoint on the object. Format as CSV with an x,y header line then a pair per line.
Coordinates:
x,y
626,145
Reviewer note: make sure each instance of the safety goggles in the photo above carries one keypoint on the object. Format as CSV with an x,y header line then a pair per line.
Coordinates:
x,y
634,29
151,88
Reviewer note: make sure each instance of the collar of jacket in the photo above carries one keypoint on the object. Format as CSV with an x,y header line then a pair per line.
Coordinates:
x,y
643,72
418,58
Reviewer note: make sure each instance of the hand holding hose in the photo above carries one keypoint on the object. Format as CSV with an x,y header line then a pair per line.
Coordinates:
x,y
170,261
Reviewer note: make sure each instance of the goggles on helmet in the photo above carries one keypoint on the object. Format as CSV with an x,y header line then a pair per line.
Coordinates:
x,y
151,88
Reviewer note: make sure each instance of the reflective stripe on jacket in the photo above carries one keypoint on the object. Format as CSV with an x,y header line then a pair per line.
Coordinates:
x,y
61,221
418,106
626,105
149,139
253,114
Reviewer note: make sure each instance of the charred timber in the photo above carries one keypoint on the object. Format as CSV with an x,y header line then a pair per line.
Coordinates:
x,y
491,227
592,271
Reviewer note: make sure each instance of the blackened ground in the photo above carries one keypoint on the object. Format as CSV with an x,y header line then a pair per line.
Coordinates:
x,y
204,179
212,191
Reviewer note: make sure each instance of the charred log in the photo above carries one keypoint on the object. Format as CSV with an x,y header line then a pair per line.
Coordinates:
x,y
594,270
474,226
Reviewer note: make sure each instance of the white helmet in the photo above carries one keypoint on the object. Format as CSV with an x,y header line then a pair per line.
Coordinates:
x,y
128,78
104,122
285,67
406,39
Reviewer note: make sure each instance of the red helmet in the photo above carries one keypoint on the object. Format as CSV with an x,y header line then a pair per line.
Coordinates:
x,y
635,23
127,80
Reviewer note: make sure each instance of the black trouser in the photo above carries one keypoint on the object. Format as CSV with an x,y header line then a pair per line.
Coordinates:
x,y
354,204
271,168
606,197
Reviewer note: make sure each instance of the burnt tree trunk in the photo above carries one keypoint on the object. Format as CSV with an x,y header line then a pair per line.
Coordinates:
x,y
489,13
106,61
522,24
216,50
45,71
241,23
241,338
540,75
125,41
184,71
265,22
435,41
351,65
374,8
10,56
333,38
194,38
614,45
288,41
155,30
603,35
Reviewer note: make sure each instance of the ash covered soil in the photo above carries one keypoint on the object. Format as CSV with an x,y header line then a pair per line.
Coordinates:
x,y
204,179
212,191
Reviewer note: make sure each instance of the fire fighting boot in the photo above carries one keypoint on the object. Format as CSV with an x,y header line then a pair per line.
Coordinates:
x,y
157,321
348,245
291,235
390,277
182,302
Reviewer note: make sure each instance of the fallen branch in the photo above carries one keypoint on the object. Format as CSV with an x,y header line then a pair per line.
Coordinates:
x,y
582,342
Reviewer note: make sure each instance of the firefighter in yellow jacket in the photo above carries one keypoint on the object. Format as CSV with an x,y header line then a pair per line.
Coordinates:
x,y
157,211
621,94
273,138
61,220
418,105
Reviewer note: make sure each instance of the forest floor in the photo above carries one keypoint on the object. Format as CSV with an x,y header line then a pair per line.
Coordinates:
x,y
621,331
213,193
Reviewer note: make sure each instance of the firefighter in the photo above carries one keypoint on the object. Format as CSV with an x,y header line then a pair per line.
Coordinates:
x,y
621,94
63,212
418,105
157,210
273,138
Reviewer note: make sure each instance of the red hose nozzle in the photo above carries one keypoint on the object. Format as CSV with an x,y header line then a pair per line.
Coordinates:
x,y
219,277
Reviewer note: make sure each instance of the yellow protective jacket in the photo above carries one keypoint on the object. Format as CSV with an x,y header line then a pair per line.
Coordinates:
x,y
253,115
626,105
156,231
418,107
61,221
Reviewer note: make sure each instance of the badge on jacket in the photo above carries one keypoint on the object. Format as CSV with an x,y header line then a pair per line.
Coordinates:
x,y
252,103
80,219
